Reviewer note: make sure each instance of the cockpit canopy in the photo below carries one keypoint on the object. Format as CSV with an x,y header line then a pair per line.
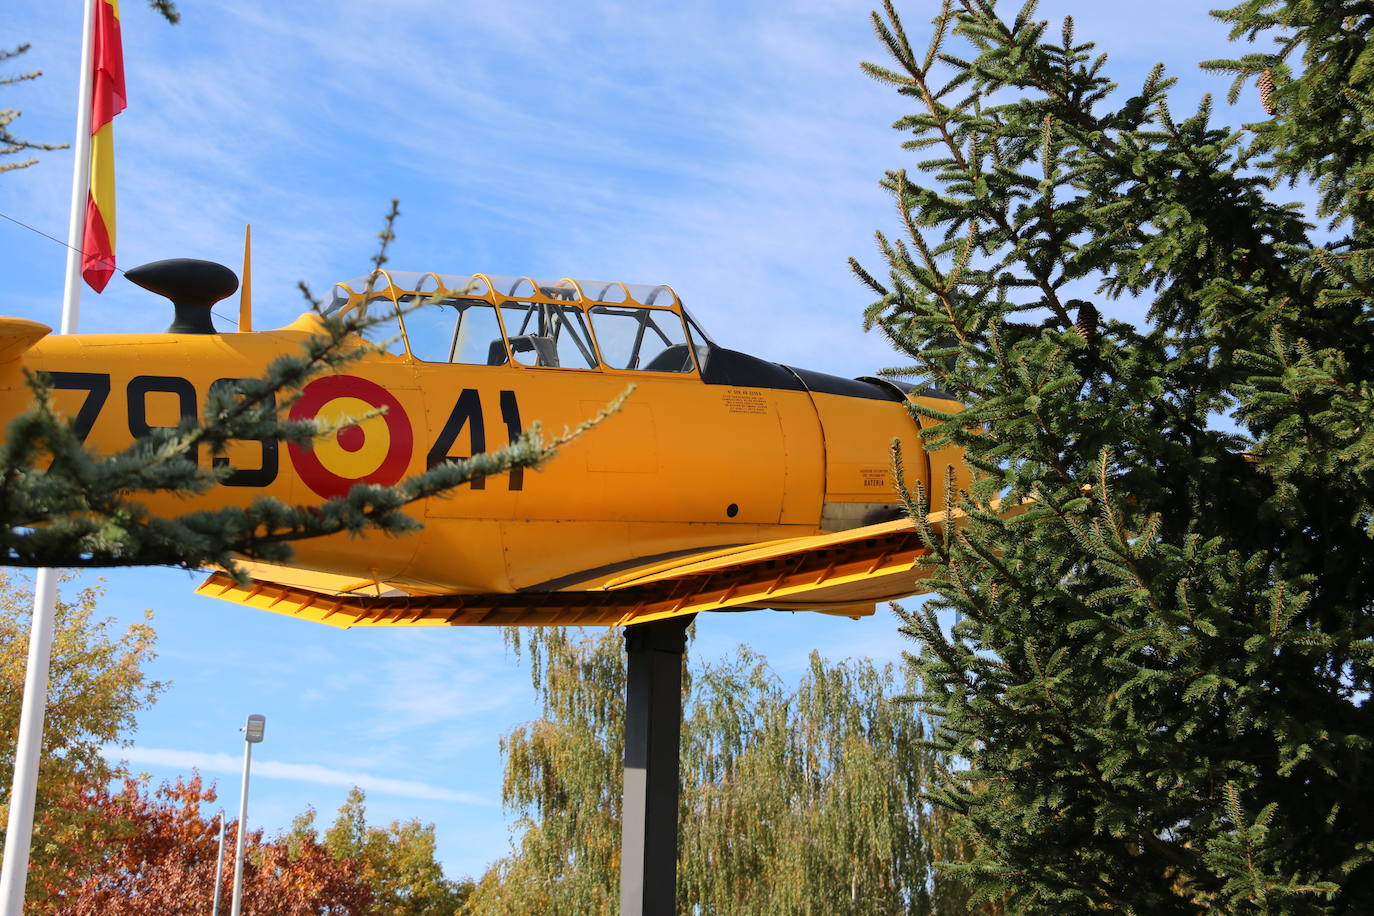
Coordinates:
x,y
495,321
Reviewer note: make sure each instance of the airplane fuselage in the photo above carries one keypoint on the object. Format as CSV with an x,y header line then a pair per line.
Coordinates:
x,y
734,450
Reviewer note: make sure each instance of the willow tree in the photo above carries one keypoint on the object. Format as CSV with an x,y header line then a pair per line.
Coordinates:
x,y
793,800
563,777
805,800
1161,674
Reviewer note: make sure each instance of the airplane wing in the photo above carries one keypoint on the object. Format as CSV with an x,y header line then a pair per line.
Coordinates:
x,y
843,573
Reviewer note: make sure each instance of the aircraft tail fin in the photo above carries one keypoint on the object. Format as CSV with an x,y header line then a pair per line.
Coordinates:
x,y
246,284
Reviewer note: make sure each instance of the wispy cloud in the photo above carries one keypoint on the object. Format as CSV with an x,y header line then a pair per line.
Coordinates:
x,y
314,773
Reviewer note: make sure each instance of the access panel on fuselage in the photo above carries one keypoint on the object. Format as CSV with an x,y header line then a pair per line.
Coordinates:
x,y
858,455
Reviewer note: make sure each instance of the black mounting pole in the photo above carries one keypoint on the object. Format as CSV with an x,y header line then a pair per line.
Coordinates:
x,y
653,726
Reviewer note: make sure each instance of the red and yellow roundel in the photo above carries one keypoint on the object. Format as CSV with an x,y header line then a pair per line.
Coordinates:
x,y
376,450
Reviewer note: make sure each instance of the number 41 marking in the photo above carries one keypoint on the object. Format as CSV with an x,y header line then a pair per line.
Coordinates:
x,y
467,413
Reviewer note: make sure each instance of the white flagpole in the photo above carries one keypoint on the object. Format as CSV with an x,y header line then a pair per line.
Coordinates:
x,y
81,178
28,753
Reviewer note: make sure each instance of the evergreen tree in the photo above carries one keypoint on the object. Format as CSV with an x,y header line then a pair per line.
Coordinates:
x,y
1160,673
804,801
63,505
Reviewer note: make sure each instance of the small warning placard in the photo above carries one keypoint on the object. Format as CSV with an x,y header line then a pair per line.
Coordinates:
x,y
744,400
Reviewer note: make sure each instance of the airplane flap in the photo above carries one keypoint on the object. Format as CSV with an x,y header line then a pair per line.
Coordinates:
x,y
832,573
736,557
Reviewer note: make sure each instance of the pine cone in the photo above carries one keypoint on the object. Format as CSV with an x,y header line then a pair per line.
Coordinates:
x,y
1266,90
1086,325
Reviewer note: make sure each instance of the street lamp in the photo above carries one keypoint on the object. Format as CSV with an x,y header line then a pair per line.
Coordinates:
x,y
219,865
252,734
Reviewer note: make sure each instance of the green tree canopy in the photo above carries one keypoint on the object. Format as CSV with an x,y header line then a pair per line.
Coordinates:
x,y
396,862
804,800
1159,680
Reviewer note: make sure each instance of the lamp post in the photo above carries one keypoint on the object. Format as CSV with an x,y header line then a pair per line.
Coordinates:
x,y
219,866
252,734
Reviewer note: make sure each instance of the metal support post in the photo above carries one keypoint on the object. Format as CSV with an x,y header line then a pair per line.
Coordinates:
x,y
653,725
253,731
236,901
219,866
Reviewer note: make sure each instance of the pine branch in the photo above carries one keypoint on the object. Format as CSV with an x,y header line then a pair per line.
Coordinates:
x,y
68,507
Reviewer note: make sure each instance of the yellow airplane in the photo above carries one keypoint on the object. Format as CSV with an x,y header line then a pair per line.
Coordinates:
x,y
726,482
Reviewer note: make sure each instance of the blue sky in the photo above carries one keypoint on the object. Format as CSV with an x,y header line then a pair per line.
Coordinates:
x,y
731,150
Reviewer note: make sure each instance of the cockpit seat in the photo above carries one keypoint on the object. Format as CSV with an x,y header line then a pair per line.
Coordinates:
x,y
543,348
677,358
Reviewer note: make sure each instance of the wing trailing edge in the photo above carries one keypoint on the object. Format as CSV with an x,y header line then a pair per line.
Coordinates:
x,y
844,573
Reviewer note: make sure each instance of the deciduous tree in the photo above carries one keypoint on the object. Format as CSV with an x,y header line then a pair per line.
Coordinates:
x,y
10,143
803,800
97,685
157,851
396,862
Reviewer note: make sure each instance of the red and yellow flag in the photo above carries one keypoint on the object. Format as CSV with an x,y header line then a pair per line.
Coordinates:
x,y
107,100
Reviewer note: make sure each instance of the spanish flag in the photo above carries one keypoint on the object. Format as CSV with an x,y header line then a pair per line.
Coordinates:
x,y
107,100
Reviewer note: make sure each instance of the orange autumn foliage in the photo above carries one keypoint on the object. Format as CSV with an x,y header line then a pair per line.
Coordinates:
x,y
142,853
